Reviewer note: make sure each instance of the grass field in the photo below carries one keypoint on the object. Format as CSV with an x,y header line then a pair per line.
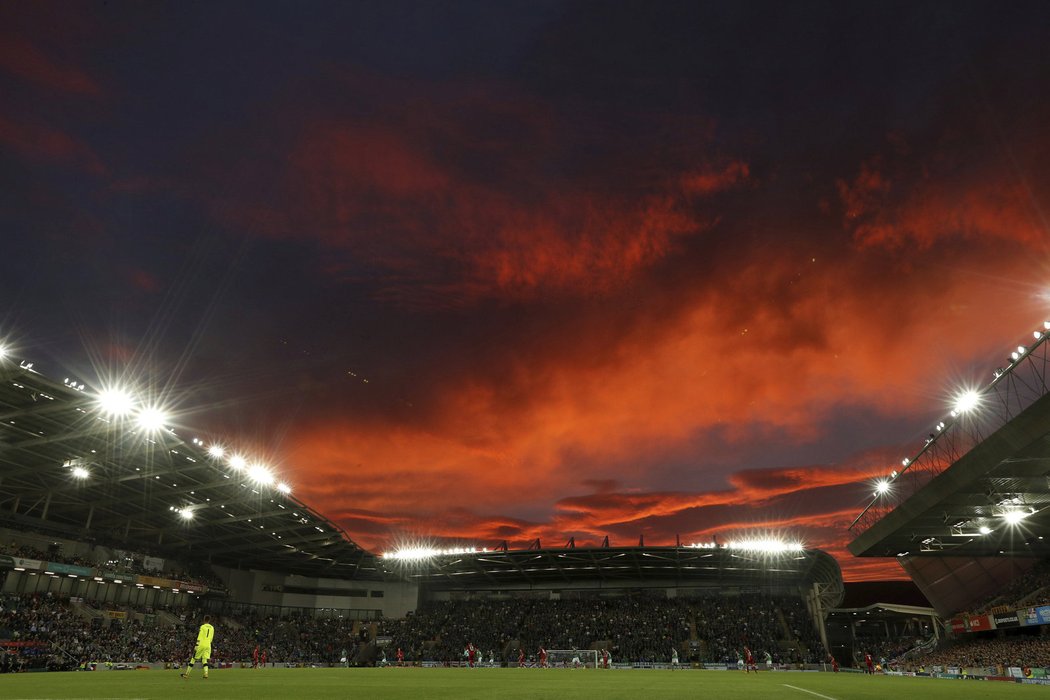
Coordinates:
x,y
501,684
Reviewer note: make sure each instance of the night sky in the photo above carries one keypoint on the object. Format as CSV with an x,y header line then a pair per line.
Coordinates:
x,y
485,271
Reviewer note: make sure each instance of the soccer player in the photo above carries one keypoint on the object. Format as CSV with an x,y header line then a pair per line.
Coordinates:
x,y
543,657
575,658
400,657
255,657
870,663
605,658
674,658
521,657
205,635
739,662
769,661
262,657
749,660
472,654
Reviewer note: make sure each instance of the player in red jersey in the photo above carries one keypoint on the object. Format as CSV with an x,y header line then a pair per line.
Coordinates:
x,y
543,657
870,663
749,662
400,657
521,658
472,654
262,656
605,658
255,657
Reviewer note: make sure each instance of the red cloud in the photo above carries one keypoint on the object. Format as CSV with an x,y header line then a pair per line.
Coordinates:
x,y
710,181
472,197
41,143
896,201
353,180
25,60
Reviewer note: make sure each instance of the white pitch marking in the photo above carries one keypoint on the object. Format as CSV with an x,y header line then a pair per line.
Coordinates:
x,y
793,687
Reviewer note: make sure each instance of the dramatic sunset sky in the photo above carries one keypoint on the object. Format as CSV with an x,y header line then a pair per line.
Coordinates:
x,y
485,271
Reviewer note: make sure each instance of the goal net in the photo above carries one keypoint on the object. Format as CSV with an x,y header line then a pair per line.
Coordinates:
x,y
563,658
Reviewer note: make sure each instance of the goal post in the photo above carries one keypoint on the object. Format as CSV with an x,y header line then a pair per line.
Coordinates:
x,y
562,658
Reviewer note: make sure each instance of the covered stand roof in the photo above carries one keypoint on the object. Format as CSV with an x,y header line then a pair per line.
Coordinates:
x,y
980,486
71,466
619,566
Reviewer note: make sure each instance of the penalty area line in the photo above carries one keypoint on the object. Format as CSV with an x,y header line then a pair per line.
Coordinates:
x,y
795,687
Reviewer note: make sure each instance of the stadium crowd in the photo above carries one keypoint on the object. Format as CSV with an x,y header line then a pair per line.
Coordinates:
x,y
1019,651
51,632
631,628
1030,588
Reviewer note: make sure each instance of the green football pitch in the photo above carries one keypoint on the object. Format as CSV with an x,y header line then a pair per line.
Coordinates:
x,y
497,684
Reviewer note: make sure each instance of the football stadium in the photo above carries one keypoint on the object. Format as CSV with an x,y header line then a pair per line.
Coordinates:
x,y
524,349
124,540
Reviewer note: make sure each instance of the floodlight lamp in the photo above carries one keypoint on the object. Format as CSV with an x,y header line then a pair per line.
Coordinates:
x,y
238,462
1037,334
882,486
905,461
984,530
217,451
412,554
284,488
186,514
115,402
1021,349
1046,325
3,352
152,419
1014,356
260,474
770,546
967,401
81,473
1012,517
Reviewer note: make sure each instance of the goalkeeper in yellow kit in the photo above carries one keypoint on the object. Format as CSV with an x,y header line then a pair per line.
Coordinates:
x,y
203,649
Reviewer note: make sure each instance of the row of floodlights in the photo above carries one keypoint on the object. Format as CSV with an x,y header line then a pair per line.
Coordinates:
x,y
422,553
767,546
118,403
1010,517
964,403
256,472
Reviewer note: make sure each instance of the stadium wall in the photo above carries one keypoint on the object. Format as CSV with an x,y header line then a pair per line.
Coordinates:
x,y
392,599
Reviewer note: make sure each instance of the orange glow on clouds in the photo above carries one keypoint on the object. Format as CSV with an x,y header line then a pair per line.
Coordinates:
x,y
764,346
